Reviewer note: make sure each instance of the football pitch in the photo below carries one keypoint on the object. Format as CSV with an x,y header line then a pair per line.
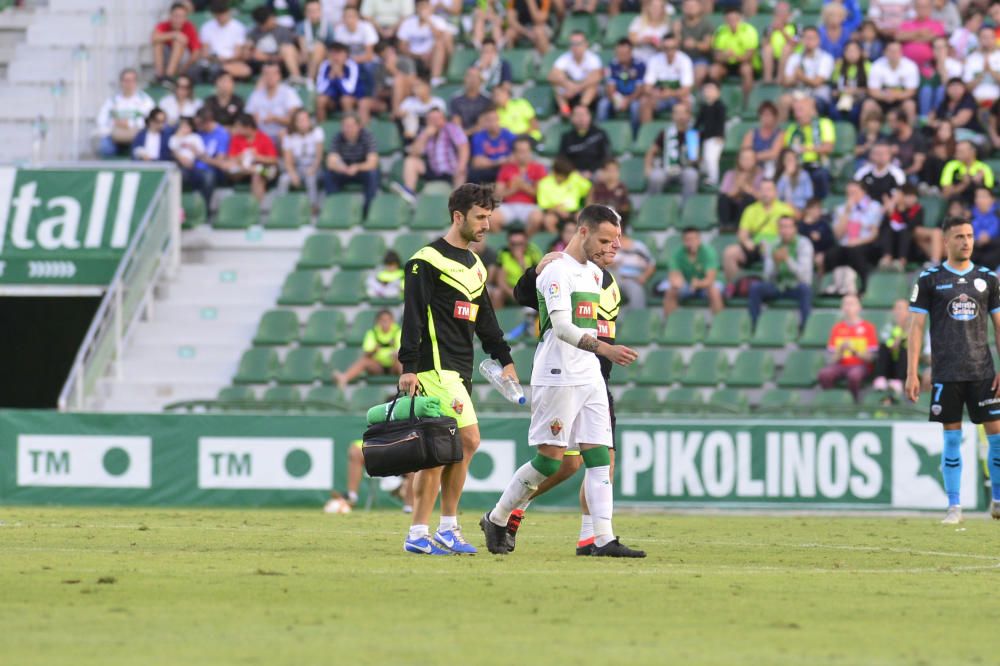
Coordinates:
x,y
269,587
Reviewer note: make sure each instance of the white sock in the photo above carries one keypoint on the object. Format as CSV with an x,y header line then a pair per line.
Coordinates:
x,y
418,531
586,528
448,523
522,486
352,497
524,505
597,489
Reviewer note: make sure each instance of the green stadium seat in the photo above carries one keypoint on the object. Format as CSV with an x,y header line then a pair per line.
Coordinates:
x,y
729,401
330,396
846,139
670,247
407,244
617,29
195,211
540,97
730,328
461,62
551,138
684,400
647,134
509,317
884,288
324,327
364,398
237,211
817,331
346,288
732,97
301,288
775,328
431,213
257,366
834,401
638,400
388,211
319,251
548,61
761,92
362,322
586,23
659,367
524,361
386,134
619,133
331,128
340,359
277,327
288,211
302,365
699,211
363,251
446,92
341,211
735,134
282,394
522,64
752,368
722,241
707,367
801,368
657,213
231,394
684,327
636,326
634,174
934,208
778,400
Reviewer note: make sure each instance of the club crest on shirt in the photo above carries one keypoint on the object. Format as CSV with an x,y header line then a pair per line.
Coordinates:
x,y
597,279
457,406
555,427
979,284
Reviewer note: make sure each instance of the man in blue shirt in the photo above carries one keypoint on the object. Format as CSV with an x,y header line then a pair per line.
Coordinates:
x,y
341,86
492,147
622,85
216,139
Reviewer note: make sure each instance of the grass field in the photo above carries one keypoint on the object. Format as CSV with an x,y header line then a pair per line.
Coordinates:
x,y
124,586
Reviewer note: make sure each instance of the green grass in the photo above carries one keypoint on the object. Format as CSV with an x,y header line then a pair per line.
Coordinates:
x,y
124,586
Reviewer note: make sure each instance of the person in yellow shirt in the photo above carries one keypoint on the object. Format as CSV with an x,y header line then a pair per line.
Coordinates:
x,y
780,39
519,255
379,351
561,193
516,115
758,225
735,50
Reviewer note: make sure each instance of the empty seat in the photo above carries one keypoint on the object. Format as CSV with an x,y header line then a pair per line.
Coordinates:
x,y
388,211
320,251
775,328
365,397
407,244
834,401
329,397
237,211
277,327
324,327
657,213
431,213
387,139
684,400
617,28
636,326
363,251
658,367
684,327
346,288
551,139
231,394
885,288
800,369
638,400
730,328
302,365
817,331
540,97
753,367
257,366
363,321
288,211
195,212
524,360
699,212
585,23
729,401
282,394
647,134
707,368
778,400
522,63
341,211
634,174
340,360
619,134
301,288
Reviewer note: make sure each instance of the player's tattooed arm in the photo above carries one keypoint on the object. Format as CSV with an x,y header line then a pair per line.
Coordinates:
x,y
588,343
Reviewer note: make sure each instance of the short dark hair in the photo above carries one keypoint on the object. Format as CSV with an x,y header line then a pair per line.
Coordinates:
x,y
562,166
466,196
767,105
523,138
178,5
204,113
246,120
516,230
383,311
733,9
810,28
391,257
221,75
154,113
953,221
489,108
340,47
488,40
909,189
691,230
262,13
595,215
624,41
219,6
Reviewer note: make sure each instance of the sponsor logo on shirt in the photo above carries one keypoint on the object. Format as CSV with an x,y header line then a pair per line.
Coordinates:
x,y
605,329
586,310
945,286
466,310
963,308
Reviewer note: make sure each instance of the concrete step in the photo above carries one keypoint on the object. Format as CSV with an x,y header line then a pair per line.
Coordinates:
x,y
178,371
16,19
223,315
183,350
151,7
151,396
167,333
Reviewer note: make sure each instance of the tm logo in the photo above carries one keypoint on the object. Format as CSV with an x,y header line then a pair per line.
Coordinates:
x,y
928,464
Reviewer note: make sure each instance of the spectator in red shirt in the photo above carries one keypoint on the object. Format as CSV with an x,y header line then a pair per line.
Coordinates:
x,y
852,346
517,182
171,40
252,156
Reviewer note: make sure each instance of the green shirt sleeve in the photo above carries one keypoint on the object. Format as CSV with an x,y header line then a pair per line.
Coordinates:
x,y
711,258
827,131
753,39
547,193
988,176
369,345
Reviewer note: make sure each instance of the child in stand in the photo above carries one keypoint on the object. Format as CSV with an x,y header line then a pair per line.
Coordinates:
x,y
816,226
903,216
611,191
867,138
387,284
186,144
890,363
711,124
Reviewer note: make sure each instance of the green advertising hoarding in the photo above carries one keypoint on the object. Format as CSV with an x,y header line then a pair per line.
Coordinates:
x,y
69,226
264,460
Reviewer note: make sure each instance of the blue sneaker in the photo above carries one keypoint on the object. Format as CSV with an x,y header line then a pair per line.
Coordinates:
x,y
454,542
423,546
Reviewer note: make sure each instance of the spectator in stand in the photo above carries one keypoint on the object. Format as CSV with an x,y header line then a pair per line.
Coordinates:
x,y
778,42
341,86
942,148
393,77
909,148
632,267
833,34
946,13
518,256
427,39
738,189
565,235
694,273
856,227
225,104
890,363
808,71
788,272
353,158
758,225
151,143
288,12
623,85
609,190
440,152
576,75
252,156
794,185
187,148
492,147
986,227
272,43
965,39
466,107
735,50
852,346
766,139
870,134
302,157
871,43
379,349
696,34
359,36
487,17
414,109
517,187
961,110
493,70
903,216
273,102
387,283
585,145
812,138
850,83
674,155
516,115
561,193
888,15
648,29
879,176
386,15
917,35
122,115
711,126
172,40
181,102
314,34
815,225
528,19
982,69
944,68
963,174
669,80
216,138
892,83
224,40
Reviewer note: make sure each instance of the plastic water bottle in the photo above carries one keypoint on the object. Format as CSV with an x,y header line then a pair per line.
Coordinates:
x,y
507,387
